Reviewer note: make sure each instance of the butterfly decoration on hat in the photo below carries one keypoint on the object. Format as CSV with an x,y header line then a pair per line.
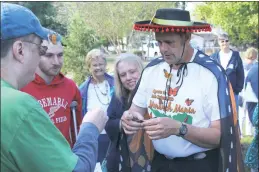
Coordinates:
x,y
53,38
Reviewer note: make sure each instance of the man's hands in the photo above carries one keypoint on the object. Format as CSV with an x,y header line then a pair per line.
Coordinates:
x,y
97,117
131,122
163,127
156,128
159,128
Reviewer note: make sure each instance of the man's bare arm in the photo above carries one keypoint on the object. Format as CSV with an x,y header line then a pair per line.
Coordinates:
x,y
159,128
135,108
204,137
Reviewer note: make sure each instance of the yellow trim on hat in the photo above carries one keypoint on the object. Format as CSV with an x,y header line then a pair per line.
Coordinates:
x,y
171,22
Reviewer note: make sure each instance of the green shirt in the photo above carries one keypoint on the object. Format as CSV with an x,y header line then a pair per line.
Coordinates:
x,y
30,142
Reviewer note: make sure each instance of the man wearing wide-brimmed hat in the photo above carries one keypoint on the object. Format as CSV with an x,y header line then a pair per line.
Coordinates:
x,y
189,101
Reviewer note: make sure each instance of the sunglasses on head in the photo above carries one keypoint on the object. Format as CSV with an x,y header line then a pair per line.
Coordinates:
x,y
222,41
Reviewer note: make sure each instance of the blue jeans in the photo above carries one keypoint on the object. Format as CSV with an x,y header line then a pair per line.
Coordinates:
x,y
103,143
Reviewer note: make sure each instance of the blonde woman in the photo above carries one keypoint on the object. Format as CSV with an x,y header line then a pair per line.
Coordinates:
x,y
128,68
97,91
250,57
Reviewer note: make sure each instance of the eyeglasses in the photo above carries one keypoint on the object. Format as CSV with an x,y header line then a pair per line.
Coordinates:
x,y
222,41
43,49
32,43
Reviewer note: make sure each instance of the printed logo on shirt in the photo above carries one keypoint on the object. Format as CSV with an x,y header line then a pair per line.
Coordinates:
x,y
52,111
53,101
189,102
182,117
182,112
55,104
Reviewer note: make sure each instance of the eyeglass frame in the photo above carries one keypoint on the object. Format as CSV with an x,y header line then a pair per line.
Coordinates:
x,y
44,48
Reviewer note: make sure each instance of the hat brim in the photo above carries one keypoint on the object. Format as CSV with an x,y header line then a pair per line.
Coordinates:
x,y
148,25
42,32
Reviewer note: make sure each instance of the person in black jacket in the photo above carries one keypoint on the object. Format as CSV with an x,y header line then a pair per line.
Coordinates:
x,y
128,68
231,61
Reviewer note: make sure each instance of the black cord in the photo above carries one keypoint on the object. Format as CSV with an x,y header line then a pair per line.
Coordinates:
x,y
182,71
181,55
169,79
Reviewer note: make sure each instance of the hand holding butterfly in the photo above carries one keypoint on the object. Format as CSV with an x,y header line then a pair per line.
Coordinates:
x,y
159,128
131,122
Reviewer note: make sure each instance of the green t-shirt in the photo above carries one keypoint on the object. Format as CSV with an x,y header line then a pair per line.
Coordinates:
x,y
30,142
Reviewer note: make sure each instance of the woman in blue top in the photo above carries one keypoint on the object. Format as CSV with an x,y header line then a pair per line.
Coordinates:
x,y
128,68
97,91
251,159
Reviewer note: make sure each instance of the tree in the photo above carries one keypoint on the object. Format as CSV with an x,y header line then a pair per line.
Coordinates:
x,y
114,20
47,13
78,42
93,24
238,19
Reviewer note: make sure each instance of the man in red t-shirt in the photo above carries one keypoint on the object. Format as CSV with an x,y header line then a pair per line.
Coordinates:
x,y
54,91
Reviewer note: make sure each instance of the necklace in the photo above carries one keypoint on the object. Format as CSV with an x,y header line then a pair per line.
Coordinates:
x,y
105,94
106,88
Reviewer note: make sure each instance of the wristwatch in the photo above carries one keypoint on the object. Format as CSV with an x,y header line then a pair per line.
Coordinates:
x,y
183,130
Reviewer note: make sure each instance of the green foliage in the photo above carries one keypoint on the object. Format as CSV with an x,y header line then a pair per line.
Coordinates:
x,y
238,19
111,21
79,41
46,12
247,140
114,20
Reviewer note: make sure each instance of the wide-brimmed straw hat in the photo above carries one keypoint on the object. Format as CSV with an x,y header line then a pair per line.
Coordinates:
x,y
171,20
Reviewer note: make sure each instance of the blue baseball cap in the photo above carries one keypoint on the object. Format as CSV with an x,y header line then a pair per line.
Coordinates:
x,y
18,21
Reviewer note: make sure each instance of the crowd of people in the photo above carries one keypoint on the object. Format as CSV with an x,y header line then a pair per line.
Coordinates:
x,y
153,118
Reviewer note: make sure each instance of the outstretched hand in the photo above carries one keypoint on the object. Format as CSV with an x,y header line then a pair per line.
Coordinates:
x,y
97,117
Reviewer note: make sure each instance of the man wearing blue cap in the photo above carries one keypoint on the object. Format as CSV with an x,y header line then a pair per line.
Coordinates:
x,y
29,140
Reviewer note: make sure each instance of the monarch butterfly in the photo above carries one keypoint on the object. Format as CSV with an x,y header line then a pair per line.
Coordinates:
x,y
167,75
173,91
189,102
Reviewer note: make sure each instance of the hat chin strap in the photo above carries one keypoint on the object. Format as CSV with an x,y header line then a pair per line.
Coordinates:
x,y
181,55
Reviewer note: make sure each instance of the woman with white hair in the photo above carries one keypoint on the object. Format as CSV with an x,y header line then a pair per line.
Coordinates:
x,y
128,68
97,91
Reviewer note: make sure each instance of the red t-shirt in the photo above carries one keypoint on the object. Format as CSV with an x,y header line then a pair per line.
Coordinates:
x,y
56,98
